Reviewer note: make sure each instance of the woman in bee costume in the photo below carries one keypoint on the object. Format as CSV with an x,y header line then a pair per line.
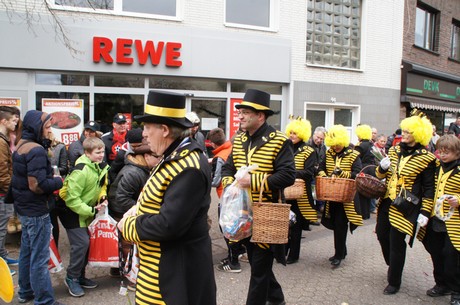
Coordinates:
x,y
343,162
299,131
169,221
409,166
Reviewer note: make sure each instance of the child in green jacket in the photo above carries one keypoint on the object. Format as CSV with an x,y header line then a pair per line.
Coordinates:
x,y
84,193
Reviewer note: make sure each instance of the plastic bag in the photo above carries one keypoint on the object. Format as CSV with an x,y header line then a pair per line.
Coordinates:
x,y
55,262
103,242
236,209
132,264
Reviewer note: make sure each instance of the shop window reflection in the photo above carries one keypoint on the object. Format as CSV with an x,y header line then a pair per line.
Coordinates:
x,y
61,79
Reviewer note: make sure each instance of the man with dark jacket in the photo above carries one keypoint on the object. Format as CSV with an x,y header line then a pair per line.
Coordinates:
x,y
116,138
454,127
33,183
263,145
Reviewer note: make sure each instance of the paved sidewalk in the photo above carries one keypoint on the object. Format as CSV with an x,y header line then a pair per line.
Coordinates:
x,y
359,280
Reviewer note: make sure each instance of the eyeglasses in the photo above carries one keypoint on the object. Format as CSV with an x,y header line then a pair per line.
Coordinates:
x,y
407,132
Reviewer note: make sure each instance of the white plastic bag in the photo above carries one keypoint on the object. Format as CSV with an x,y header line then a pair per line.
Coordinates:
x,y
236,209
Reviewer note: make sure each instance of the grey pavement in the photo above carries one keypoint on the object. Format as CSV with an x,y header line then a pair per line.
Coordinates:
x,y
359,280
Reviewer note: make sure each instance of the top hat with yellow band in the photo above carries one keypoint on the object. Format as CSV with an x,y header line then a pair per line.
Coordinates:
x,y
165,108
256,100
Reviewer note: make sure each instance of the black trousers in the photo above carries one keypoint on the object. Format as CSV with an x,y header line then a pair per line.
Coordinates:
x,y
295,232
340,223
445,258
365,205
393,244
263,285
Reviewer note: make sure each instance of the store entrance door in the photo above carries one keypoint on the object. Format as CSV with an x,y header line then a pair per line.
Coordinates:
x,y
212,113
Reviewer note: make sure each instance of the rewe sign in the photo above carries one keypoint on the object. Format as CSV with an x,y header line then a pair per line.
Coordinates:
x,y
127,51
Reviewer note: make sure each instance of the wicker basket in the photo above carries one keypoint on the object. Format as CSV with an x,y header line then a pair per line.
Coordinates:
x,y
369,186
270,221
295,191
335,189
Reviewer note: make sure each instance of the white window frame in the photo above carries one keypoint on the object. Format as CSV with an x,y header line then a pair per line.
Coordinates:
x,y
117,10
273,22
329,108
430,32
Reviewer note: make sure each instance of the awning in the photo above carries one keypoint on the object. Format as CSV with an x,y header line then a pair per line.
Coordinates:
x,y
431,104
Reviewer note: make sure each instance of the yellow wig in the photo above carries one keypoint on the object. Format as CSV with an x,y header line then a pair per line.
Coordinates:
x,y
337,135
301,127
420,127
364,132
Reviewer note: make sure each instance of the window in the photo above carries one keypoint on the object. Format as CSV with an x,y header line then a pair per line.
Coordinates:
x,y
425,27
455,41
334,33
164,8
61,79
257,14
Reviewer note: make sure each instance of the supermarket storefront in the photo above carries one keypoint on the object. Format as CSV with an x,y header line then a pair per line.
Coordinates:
x,y
114,65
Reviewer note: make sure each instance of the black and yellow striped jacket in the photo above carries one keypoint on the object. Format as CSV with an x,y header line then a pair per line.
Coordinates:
x,y
305,159
272,151
171,230
417,176
349,162
451,187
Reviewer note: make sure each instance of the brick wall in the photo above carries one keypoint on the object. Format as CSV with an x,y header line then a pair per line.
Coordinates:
x,y
435,60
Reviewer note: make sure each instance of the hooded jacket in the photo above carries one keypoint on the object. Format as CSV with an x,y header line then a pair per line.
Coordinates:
x,y
33,180
82,190
128,184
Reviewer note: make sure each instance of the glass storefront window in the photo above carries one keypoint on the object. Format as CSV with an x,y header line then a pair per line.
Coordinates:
x,y
244,86
61,79
107,105
183,83
343,116
64,95
275,119
119,81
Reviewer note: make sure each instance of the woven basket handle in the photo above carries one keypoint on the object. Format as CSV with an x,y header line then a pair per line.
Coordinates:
x,y
362,170
262,190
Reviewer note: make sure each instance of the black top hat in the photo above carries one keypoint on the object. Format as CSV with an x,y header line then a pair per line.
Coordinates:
x,y
165,108
256,100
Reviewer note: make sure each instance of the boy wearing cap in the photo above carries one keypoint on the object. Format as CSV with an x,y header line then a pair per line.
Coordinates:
x,y
116,138
269,148
75,150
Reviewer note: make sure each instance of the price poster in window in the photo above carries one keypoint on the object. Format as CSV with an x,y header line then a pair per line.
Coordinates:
x,y
67,118
234,120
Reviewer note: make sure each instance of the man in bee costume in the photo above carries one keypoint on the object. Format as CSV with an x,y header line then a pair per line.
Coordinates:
x,y
342,162
169,221
263,145
409,166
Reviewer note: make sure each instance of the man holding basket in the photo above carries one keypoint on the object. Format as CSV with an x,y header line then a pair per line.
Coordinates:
x,y
270,149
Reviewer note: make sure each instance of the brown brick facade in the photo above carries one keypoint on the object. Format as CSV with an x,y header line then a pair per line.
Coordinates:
x,y
439,60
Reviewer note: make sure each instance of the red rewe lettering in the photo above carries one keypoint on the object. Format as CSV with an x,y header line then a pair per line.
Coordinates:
x,y
123,50
101,48
149,51
172,54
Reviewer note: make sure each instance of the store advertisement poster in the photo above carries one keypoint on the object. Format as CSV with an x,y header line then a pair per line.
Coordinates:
x,y
234,120
10,101
67,118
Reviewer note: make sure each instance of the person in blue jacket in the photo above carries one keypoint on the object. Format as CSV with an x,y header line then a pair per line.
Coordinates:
x,y
33,183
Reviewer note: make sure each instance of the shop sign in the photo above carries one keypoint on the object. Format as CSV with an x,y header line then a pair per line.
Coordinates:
x,y
10,101
126,51
67,118
432,88
234,120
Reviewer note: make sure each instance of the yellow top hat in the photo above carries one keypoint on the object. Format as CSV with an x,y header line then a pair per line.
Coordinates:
x,y
6,288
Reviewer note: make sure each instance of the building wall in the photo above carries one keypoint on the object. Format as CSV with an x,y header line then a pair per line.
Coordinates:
x,y
438,61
